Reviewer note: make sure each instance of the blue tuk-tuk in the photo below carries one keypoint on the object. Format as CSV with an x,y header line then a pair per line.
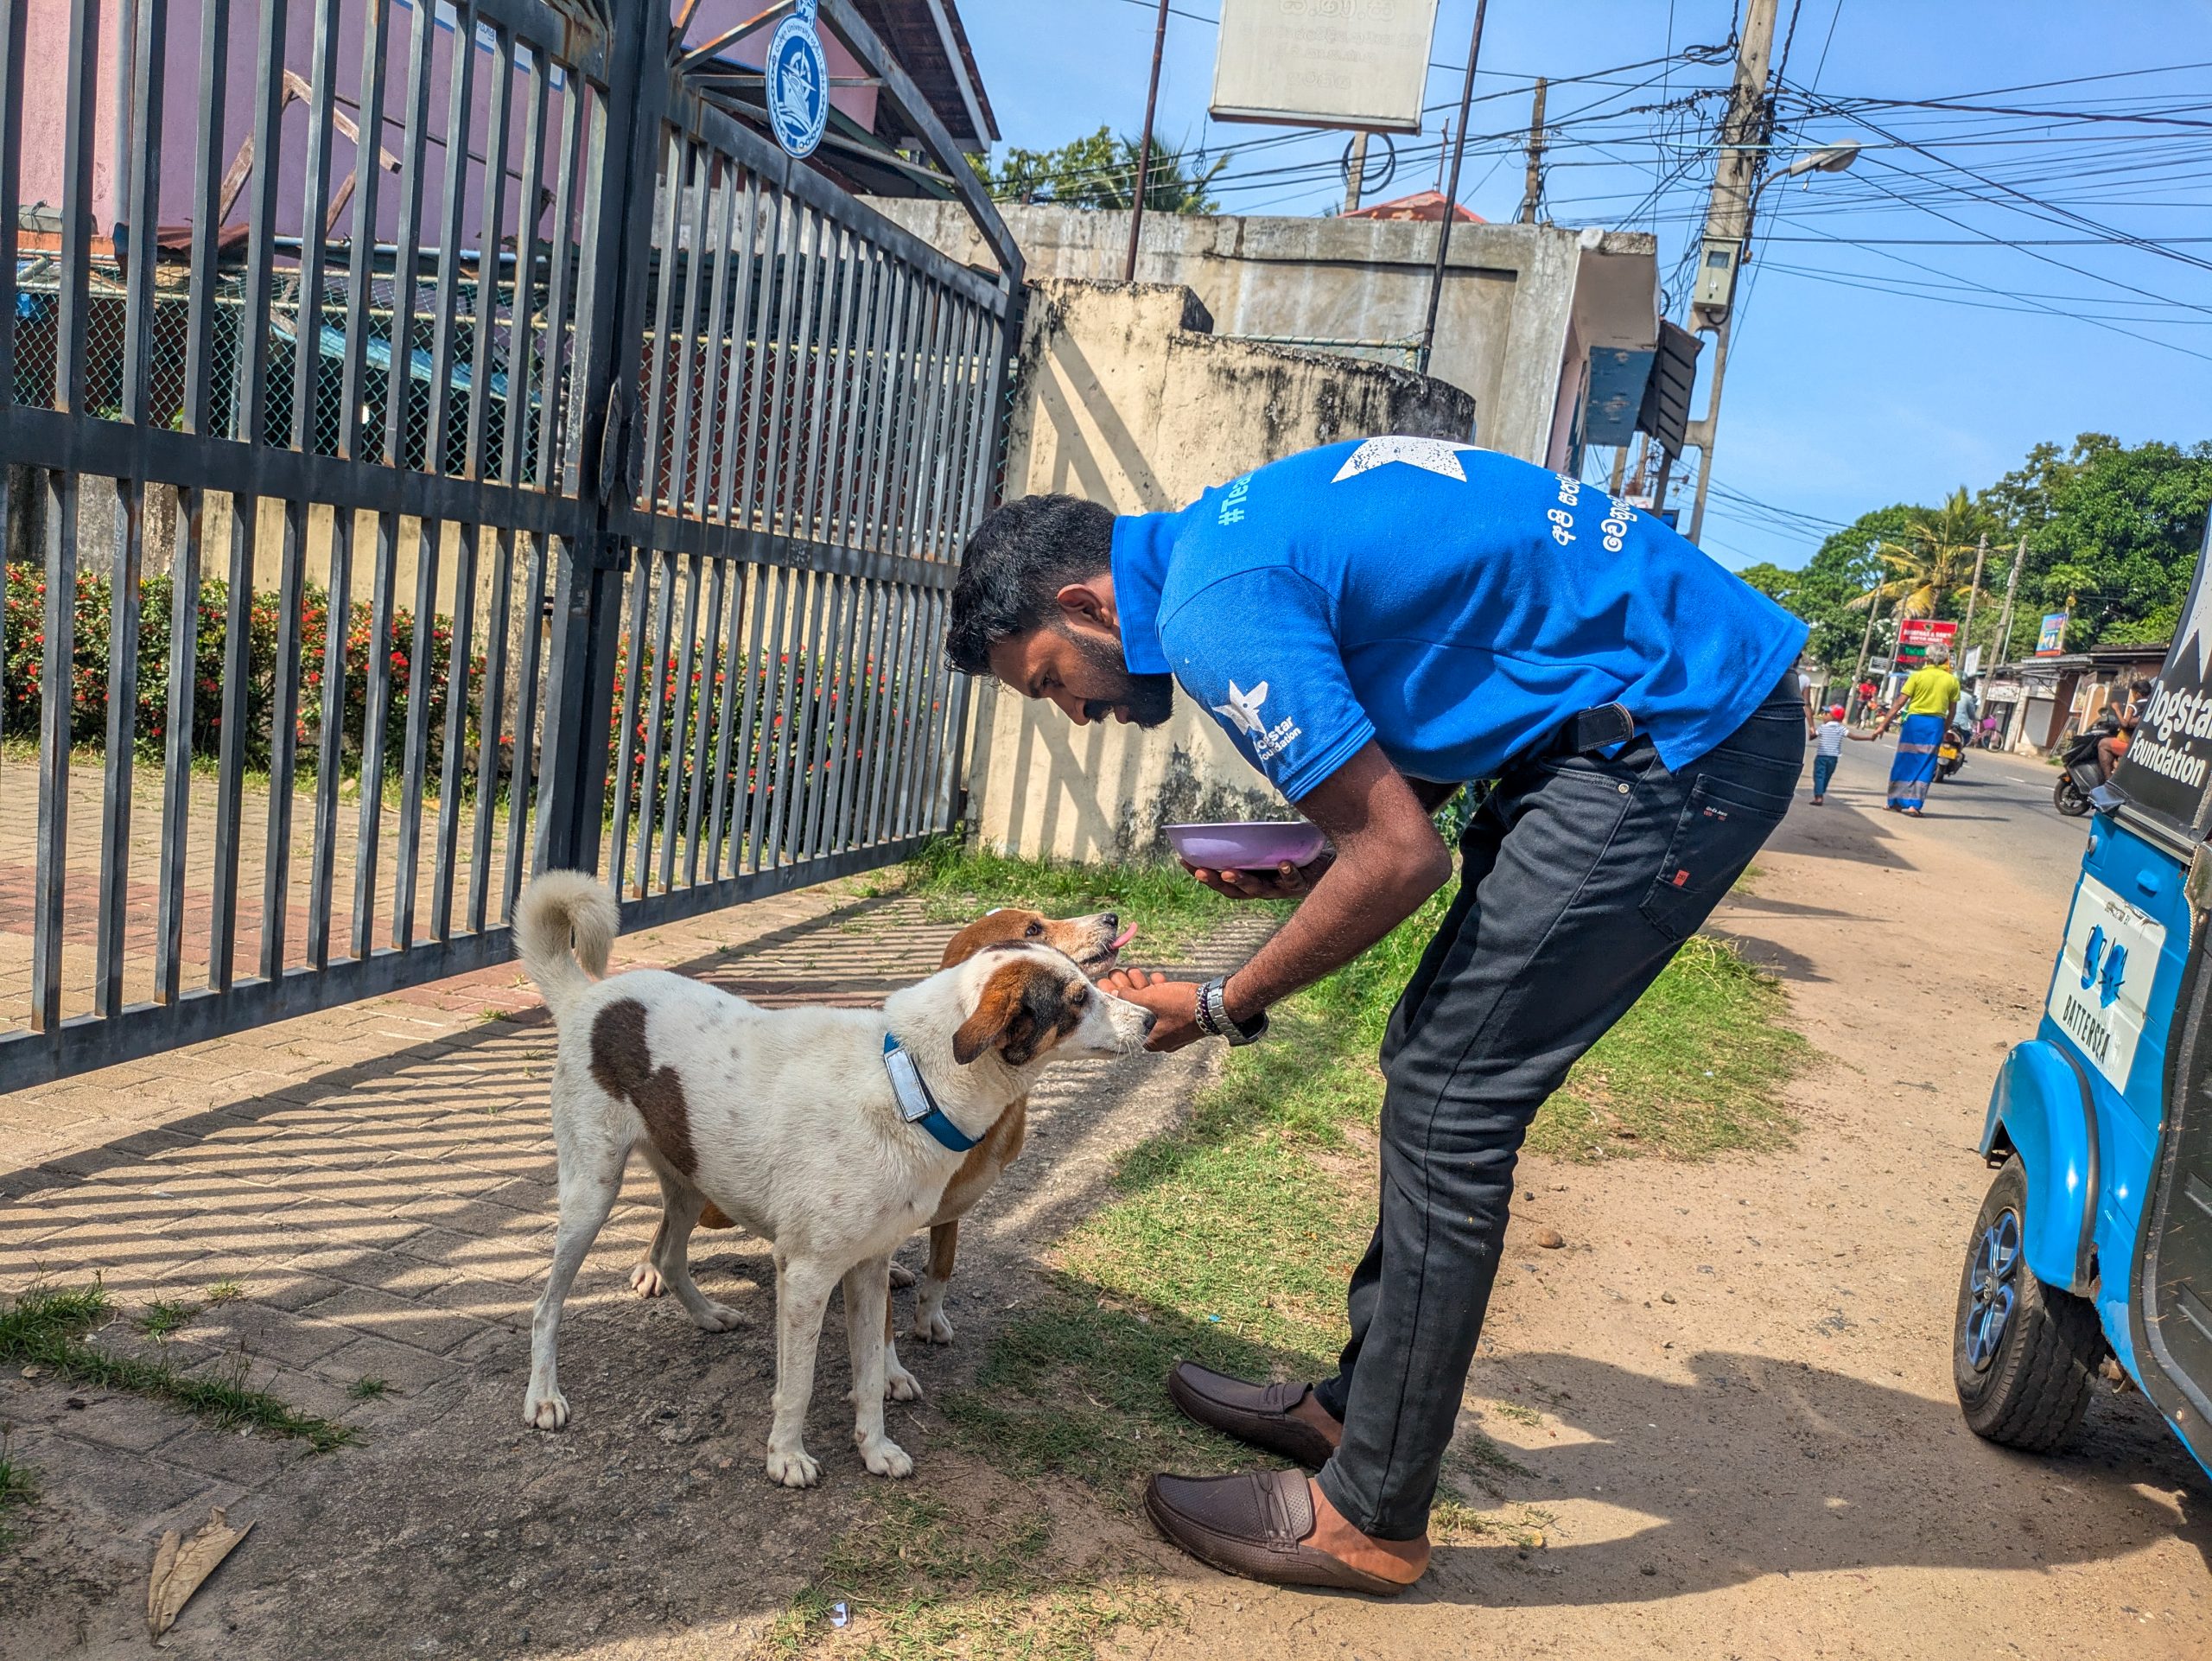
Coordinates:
x,y
2096,1236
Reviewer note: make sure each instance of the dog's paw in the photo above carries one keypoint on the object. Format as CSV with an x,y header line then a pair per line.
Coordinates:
x,y
546,1409
931,1327
883,1456
900,1385
795,1469
717,1318
646,1281
901,1276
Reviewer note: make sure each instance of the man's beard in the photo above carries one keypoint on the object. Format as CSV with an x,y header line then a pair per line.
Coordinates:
x,y
1150,699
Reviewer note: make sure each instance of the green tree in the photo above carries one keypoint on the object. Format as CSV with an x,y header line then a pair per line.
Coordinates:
x,y
1931,565
1100,170
2116,537
1827,592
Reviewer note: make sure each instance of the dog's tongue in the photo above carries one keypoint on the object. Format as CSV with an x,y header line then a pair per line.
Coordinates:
x,y
1124,938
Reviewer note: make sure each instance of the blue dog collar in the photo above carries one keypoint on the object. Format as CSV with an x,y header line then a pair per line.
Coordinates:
x,y
916,1105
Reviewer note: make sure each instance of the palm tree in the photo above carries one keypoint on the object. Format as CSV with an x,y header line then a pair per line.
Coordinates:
x,y
1928,564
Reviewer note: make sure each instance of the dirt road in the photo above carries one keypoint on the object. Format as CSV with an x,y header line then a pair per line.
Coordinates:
x,y
1746,1431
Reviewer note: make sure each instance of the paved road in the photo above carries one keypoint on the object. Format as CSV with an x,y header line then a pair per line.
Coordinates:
x,y
1997,808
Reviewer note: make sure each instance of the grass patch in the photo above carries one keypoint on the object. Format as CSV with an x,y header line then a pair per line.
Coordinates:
x,y
955,882
18,1487
1234,1234
164,1315
46,1327
1694,1070
912,1578
369,1389
225,1292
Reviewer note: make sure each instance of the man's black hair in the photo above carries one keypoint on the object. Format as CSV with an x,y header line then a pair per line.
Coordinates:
x,y
1021,556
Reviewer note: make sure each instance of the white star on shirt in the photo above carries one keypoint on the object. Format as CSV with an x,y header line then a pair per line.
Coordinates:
x,y
1243,708
1437,456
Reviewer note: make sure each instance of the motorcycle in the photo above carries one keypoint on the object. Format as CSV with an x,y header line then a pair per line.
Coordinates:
x,y
1951,753
2079,771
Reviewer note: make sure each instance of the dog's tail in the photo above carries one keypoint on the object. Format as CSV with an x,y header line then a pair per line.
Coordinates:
x,y
557,908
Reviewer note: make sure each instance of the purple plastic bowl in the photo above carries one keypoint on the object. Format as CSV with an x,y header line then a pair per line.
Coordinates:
x,y
1250,845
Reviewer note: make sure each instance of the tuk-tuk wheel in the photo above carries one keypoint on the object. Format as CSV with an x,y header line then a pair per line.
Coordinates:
x,y
2023,1355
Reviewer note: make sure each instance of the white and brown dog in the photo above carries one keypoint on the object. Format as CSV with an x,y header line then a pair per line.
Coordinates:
x,y
1095,942
790,1123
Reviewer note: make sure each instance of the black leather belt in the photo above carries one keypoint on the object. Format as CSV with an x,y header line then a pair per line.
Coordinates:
x,y
1612,723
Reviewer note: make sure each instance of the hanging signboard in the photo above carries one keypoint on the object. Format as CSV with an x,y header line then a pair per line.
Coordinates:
x,y
1360,64
1916,634
2170,758
2050,640
798,82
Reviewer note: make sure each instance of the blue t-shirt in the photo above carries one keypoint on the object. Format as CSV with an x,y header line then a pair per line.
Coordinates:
x,y
1451,603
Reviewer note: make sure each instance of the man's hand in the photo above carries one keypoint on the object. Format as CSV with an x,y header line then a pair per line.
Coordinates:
x,y
1286,881
1175,1004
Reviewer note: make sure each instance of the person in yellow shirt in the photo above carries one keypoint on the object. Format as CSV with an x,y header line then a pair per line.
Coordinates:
x,y
1929,695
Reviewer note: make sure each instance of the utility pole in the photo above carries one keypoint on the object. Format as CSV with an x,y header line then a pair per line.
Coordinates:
x,y
1356,173
1973,595
2004,617
1144,146
1443,154
1873,610
1532,191
1451,191
1744,132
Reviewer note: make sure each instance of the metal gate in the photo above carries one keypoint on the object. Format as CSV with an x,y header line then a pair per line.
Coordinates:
x,y
562,477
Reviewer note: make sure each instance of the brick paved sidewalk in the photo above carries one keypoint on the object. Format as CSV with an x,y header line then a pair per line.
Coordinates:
x,y
377,1182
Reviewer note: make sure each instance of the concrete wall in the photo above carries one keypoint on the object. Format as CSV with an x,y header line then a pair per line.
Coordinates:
x,y
1513,294
1125,396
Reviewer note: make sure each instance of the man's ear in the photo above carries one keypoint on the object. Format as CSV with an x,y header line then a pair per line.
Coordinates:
x,y
1090,602
999,1014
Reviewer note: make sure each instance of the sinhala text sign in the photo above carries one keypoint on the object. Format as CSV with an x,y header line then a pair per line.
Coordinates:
x,y
1323,63
2169,758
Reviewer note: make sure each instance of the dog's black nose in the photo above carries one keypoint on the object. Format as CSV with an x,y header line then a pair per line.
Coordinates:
x,y
1151,1020
1112,922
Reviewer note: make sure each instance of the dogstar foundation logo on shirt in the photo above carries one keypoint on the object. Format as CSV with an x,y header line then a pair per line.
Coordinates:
x,y
1243,712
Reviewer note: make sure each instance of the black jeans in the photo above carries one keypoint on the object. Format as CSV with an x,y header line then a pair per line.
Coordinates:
x,y
1581,876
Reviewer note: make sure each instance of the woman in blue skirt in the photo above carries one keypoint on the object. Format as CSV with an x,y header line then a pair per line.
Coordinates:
x,y
1929,695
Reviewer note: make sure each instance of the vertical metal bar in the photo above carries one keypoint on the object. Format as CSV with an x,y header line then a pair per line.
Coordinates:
x,y
670,809
637,672
330,757
14,31
713,701
561,255
921,522
251,403
852,466
489,717
959,395
741,329
822,677
866,647
883,418
798,716
414,151
900,699
821,438
748,726
914,674
736,655
57,694
714,349
491,227
148,54
360,258
415,757
522,783
913,383
460,654
784,378
926,716
772,276
760,798
522,293
690,427
830,752
651,793
675,152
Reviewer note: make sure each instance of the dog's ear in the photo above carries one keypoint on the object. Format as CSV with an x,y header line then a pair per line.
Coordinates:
x,y
1001,1013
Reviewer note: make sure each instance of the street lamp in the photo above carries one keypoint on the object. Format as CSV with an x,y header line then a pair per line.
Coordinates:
x,y
1716,291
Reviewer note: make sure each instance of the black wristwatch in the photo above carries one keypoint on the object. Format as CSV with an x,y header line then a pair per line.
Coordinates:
x,y
1214,1017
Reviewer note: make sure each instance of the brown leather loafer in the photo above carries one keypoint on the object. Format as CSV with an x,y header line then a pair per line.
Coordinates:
x,y
1259,1414
1253,1525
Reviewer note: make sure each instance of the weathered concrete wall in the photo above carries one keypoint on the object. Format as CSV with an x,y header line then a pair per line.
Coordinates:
x,y
1125,397
1510,291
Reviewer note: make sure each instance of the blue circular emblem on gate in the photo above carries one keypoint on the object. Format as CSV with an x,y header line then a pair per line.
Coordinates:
x,y
799,85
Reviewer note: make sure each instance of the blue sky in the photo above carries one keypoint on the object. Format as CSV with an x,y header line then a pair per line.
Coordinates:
x,y
1891,345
